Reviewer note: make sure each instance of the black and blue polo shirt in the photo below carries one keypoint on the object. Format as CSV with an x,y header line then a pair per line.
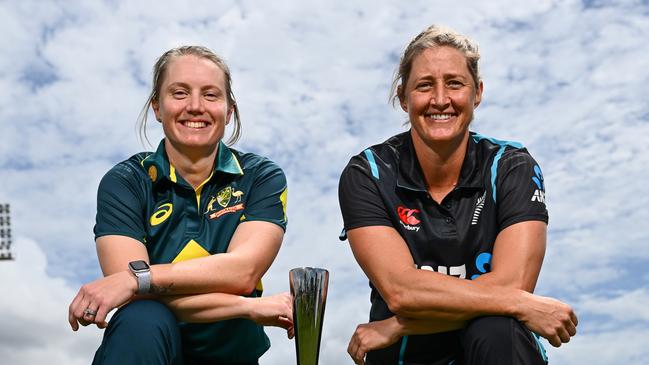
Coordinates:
x,y
500,184
146,199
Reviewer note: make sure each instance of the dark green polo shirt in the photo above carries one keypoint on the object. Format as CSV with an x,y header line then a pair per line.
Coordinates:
x,y
146,199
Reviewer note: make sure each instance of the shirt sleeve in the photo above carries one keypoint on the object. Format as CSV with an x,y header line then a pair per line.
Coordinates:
x,y
360,200
120,208
268,196
520,190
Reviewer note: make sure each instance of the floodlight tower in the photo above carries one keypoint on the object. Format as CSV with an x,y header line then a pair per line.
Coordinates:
x,y
5,233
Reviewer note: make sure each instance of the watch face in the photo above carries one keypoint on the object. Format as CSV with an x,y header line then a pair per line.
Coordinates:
x,y
138,265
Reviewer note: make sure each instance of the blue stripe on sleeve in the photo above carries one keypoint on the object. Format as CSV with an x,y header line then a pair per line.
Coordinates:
x,y
370,159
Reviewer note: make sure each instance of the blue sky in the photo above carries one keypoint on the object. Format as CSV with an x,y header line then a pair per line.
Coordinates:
x,y
568,79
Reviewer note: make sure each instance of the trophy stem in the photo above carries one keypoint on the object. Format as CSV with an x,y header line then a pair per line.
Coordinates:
x,y
309,289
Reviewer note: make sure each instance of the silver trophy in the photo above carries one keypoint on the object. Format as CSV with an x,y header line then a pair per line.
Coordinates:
x,y
309,290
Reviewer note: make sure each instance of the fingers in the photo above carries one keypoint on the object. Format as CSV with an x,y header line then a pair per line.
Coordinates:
x,y
76,310
355,349
573,317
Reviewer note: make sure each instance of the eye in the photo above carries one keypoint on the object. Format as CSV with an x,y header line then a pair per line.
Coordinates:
x,y
179,94
455,84
211,96
423,86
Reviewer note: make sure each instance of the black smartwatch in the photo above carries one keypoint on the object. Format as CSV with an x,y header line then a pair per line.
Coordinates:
x,y
142,273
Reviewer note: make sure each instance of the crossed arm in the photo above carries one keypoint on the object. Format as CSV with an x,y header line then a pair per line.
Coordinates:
x,y
200,290
429,302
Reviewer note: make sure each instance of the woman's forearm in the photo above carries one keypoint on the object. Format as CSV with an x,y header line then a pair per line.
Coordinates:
x,y
274,310
212,307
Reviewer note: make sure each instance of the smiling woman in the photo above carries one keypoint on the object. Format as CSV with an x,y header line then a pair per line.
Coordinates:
x,y
184,234
438,204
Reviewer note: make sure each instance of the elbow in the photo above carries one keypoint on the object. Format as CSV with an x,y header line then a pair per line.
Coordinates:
x,y
398,301
247,282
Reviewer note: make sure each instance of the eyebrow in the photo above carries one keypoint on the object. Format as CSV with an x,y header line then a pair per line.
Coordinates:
x,y
186,85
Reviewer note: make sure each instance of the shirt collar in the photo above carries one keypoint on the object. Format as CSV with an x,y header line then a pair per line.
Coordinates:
x,y
411,176
157,164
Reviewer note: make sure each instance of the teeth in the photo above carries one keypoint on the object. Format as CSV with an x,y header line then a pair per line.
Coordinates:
x,y
195,124
440,116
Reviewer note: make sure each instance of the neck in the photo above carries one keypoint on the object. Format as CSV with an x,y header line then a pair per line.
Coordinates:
x,y
441,163
192,164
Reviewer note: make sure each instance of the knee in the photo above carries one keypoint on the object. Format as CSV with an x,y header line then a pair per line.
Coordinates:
x,y
489,332
143,317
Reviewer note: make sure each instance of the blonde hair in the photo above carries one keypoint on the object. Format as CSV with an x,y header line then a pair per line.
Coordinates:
x,y
435,36
159,71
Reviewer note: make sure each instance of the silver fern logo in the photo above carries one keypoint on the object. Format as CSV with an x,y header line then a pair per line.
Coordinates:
x,y
478,208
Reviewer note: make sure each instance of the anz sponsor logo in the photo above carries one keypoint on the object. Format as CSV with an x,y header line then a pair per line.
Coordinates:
x,y
482,264
539,193
457,271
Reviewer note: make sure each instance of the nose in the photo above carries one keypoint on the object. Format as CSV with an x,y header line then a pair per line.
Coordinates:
x,y
440,99
195,104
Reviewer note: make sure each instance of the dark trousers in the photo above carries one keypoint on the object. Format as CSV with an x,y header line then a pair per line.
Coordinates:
x,y
144,332
494,340
489,340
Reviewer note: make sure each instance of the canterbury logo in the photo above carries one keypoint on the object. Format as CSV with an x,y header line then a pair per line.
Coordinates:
x,y
478,208
161,215
407,216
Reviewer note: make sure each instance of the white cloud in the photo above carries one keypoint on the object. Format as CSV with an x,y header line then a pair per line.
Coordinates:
x,y
567,78
33,313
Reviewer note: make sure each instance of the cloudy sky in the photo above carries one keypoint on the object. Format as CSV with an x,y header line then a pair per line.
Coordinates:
x,y
566,78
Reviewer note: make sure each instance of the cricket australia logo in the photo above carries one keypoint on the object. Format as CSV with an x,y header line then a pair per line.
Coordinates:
x,y
407,218
223,199
478,208
537,179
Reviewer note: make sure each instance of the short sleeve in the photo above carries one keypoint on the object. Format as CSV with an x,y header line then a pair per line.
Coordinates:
x,y
120,204
268,195
361,203
520,190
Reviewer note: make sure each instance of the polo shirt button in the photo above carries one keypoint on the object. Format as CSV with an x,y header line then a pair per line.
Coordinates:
x,y
449,220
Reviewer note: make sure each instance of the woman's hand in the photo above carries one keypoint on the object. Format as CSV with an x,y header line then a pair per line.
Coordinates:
x,y
94,300
550,318
275,310
373,336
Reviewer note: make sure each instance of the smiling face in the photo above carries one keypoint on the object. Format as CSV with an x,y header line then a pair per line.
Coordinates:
x,y
192,105
440,96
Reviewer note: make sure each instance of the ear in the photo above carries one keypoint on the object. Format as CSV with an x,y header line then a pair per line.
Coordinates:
x,y
478,95
402,99
229,114
156,110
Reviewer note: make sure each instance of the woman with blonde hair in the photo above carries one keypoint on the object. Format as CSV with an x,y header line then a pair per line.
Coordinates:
x,y
185,234
439,204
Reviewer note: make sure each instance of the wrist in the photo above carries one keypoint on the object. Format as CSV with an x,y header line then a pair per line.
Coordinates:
x,y
248,306
399,326
141,271
516,307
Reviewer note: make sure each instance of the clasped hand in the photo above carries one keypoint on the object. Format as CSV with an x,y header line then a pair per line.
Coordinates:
x,y
95,300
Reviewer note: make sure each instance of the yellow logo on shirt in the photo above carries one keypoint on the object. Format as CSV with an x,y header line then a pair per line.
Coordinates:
x,y
161,215
153,173
224,198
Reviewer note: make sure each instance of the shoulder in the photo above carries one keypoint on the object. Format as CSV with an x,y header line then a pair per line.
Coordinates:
x,y
129,171
380,159
258,167
499,152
